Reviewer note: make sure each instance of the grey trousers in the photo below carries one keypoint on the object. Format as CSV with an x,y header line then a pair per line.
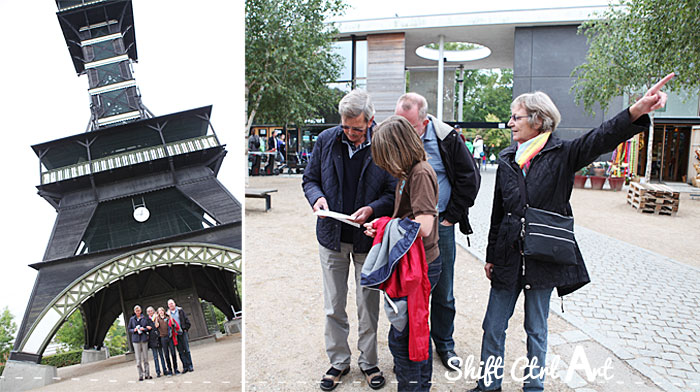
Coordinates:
x,y
141,352
336,268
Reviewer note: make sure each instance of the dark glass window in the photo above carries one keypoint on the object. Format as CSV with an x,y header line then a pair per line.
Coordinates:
x,y
99,31
103,50
68,3
346,80
111,73
171,213
115,102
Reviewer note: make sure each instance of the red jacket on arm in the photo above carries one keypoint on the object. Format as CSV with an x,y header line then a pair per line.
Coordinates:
x,y
396,264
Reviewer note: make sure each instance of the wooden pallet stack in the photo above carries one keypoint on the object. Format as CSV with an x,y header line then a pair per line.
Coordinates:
x,y
696,180
653,198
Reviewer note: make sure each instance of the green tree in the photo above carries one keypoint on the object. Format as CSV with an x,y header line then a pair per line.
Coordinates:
x,y
116,338
7,333
289,59
634,44
494,139
452,46
220,319
487,97
71,335
487,92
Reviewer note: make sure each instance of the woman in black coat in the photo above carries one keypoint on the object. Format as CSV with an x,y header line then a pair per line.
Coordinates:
x,y
547,164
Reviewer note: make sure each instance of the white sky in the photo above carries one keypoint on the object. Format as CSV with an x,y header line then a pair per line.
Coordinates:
x,y
189,56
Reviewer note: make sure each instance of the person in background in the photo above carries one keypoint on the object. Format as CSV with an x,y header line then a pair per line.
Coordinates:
x,y
282,147
180,335
478,152
470,145
138,329
459,182
254,152
543,166
154,341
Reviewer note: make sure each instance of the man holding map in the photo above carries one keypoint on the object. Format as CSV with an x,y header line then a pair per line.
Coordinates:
x,y
341,177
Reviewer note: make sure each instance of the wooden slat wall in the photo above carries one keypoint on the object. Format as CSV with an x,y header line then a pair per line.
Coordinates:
x,y
211,195
386,80
68,230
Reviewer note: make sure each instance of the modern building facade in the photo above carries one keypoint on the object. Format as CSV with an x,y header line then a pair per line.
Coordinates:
x,y
540,45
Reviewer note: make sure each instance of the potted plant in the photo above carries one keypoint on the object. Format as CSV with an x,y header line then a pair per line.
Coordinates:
x,y
616,181
598,169
580,178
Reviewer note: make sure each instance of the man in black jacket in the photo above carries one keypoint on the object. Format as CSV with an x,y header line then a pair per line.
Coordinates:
x,y
458,184
342,177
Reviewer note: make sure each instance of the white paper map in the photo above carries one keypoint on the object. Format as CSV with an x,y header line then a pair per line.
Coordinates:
x,y
338,216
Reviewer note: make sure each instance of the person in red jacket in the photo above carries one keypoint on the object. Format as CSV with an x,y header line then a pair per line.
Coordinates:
x,y
397,149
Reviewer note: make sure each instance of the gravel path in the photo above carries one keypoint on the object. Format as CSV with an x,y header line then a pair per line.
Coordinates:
x,y
217,368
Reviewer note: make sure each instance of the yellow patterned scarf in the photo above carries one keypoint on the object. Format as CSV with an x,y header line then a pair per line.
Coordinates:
x,y
526,151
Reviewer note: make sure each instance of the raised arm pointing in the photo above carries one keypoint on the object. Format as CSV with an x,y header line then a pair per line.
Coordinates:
x,y
653,99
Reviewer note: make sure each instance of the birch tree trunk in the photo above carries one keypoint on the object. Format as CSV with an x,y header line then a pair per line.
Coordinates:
x,y
650,149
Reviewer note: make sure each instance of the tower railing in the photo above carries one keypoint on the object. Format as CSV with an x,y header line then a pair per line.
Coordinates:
x,y
128,158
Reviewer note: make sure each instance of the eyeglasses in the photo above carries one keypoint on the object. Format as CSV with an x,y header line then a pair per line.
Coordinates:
x,y
516,118
354,129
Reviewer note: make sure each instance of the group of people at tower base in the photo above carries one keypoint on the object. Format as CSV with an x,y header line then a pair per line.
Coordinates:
x,y
164,332
407,181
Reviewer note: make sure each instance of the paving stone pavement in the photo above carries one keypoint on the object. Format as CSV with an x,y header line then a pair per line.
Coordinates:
x,y
642,306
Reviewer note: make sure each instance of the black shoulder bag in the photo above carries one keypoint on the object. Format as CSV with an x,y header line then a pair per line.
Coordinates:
x,y
546,235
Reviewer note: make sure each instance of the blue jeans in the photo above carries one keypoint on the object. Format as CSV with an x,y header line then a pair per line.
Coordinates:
x,y
442,305
183,348
156,352
169,350
412,376
499,310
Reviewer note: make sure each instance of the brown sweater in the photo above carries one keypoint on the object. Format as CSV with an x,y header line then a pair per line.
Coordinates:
x,y
162,326
418,195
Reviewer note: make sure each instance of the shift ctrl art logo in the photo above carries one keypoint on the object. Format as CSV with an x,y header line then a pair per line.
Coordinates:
x,y
522,367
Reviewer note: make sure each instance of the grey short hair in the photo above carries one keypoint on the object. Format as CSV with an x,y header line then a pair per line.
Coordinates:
x,y
137,306
356,102
539,106
409,100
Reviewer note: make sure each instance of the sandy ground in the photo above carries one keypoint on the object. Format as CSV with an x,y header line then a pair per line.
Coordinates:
x,y
671,236
217,368
284,305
